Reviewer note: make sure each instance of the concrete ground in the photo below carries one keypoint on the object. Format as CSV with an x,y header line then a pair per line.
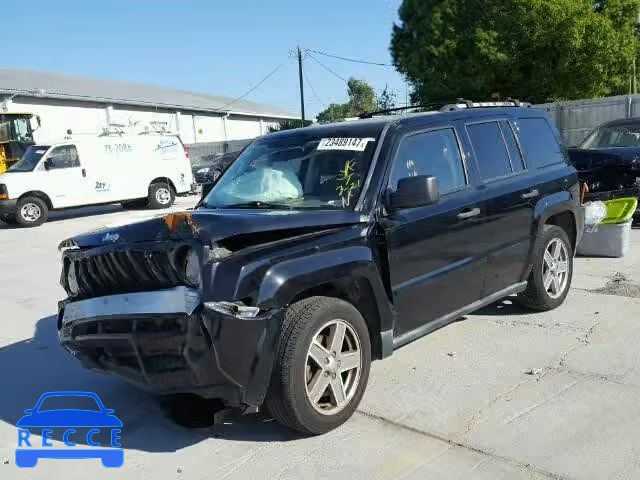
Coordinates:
x,y
504,394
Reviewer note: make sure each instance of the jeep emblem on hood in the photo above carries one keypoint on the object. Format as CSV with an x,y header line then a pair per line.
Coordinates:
x,y
111,237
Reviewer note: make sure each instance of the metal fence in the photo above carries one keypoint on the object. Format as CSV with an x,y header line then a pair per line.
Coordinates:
x,y
197,151
577,118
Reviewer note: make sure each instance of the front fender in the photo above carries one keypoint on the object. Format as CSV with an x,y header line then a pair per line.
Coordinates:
x,y
286,280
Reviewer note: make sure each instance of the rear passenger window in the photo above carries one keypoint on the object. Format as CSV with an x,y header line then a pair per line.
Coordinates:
x,y
433,153
490,150
517,162
540,145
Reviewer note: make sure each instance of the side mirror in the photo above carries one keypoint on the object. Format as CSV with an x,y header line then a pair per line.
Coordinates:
x,y
414,192
48,164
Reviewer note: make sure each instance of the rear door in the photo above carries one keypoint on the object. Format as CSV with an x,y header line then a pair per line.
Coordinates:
x,y
510,192
436,264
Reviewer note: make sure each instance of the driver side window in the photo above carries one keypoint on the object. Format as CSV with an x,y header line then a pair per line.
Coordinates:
x,y
63,157
434,153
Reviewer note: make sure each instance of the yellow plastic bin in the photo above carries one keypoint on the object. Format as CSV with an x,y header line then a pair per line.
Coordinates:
x,y
620,210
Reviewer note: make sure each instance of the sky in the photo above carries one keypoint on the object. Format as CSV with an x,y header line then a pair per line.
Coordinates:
x,y
215,47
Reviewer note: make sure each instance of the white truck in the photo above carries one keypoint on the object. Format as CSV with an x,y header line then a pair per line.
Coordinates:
x,y
144,170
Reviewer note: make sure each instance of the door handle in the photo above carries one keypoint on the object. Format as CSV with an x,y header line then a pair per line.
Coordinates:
x,y
84,172
532,194
469,213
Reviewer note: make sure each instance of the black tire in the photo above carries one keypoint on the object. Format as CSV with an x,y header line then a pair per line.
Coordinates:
x,y
287,398
134,204
154,200
38,206
9,219
536,296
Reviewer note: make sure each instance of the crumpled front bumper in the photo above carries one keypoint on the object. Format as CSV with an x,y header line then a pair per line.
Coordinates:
x,y
167,341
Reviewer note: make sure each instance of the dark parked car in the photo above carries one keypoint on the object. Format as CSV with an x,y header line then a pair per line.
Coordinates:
x,y
322,249
608,161
210,167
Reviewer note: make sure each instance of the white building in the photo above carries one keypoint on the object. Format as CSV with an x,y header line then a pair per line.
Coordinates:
x,y
87,106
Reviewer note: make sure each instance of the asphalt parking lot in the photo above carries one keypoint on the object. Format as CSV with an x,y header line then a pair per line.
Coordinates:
x,y
503,394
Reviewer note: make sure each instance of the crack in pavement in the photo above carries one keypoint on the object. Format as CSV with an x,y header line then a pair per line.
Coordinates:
x,y
542,402
455,443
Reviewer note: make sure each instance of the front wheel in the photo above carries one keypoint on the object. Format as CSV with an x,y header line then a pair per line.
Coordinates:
x,y
550,278
31,212
321,367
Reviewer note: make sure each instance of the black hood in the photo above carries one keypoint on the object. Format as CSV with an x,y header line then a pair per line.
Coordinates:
x,y
210,225
594,159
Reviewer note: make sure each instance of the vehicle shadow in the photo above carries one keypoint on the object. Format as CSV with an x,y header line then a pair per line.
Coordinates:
x,y
506,306
38,365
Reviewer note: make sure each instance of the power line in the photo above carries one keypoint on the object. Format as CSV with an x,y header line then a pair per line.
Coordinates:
x,y
251,89
313,90
328,69
355,60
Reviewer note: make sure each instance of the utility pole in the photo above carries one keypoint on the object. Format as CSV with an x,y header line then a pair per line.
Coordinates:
x,y
301,85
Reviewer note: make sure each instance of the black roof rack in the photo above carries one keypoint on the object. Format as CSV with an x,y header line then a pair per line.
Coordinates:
x,y
450,106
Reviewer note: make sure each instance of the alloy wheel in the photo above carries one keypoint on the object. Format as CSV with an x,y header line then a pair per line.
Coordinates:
x,y
555,268
333,367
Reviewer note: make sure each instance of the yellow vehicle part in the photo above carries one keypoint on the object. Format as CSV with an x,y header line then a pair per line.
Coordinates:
x,y
3,160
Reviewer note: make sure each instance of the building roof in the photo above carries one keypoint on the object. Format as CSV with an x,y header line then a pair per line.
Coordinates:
x,y
34,83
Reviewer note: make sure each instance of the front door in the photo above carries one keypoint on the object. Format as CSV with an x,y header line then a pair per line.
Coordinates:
x,y
66,179
436,264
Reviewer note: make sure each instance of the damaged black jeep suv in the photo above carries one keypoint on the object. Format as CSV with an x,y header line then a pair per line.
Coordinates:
x,y
323,248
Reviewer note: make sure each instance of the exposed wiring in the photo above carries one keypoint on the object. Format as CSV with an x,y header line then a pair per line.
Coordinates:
x,y
367,62
251,89
328,69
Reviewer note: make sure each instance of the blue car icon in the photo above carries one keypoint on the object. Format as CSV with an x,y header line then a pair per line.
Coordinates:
x,y
71,417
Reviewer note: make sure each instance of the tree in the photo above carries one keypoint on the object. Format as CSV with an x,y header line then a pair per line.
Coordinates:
x,y
387,99
362,99
536,50
288,125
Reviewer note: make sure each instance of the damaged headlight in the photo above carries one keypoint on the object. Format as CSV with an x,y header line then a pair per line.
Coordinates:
x,y
235,309
192,270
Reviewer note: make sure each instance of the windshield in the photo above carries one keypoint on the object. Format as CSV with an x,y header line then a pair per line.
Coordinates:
x,y
65,402
613,136
298,171
30,159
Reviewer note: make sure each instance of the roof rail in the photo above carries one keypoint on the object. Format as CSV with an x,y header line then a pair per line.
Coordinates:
x,y
462,104
422,106
449,106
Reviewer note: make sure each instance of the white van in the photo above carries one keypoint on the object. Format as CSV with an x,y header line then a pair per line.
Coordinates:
x,y
136,170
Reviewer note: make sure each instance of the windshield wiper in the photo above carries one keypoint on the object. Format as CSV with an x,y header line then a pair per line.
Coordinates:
x,y
258,204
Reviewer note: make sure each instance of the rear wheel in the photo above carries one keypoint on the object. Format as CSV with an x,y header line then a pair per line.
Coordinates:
x,y
31,212
550,278
322,365
161,195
